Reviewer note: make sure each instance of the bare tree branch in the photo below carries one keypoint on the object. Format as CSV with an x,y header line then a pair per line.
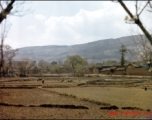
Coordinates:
x,y
17,6
136,6
6,11
19,9
143,8
137,21
1,5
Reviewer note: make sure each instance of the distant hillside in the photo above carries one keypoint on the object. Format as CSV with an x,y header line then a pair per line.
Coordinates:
x,y
97,51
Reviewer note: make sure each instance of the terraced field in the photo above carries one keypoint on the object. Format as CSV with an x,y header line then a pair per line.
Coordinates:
x,y
81,98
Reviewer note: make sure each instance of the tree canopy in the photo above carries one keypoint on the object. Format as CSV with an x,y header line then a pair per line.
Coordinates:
x,y
74,62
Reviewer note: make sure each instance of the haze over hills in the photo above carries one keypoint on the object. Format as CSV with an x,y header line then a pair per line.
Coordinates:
x,y
97,51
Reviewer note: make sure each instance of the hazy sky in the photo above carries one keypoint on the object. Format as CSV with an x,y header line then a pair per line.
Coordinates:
x,y
69,23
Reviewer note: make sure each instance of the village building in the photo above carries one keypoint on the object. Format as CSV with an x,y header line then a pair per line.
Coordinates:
x,y
96,69
105,71
120,71
133,69
112,69
117,69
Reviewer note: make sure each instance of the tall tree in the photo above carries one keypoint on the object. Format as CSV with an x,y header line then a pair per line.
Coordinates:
x,y
25,65
122,50
3,34
5,10
8,56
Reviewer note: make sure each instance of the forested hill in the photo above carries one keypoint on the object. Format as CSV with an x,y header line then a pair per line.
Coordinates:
x,y
97,51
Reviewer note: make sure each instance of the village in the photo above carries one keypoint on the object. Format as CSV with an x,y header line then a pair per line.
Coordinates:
x,y
134,68
75,60
128,69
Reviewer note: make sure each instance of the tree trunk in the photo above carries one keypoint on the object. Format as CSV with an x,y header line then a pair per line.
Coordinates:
x,y
6,11
137,21
2,58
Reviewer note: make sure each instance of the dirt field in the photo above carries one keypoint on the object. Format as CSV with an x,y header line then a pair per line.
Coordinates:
x,y
122,97
83,98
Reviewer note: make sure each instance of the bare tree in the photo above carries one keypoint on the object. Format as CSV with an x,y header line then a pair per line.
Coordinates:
x,y
9,54
25,66
3,34
136,18
142,51
7,6
5,11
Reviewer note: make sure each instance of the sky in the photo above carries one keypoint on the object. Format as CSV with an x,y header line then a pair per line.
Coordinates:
x,y
69,22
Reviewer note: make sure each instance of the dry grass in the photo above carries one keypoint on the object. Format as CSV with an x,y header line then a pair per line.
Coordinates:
x,y
34,97
122,97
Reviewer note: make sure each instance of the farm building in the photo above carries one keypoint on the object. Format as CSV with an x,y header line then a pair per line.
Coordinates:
x,y
128,69
96,69
105,71
119,71
133,69
112,70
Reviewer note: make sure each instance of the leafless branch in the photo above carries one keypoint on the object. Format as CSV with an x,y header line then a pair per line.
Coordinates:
x,y
19,9
143,8
1,5
136,6
137,21
6,11
17,6
150,6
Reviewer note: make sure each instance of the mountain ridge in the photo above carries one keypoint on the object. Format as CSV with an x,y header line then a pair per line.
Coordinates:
x,y
96,51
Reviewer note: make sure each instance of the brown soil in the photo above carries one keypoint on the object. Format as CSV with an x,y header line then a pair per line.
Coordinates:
x,y
23,99
121,97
